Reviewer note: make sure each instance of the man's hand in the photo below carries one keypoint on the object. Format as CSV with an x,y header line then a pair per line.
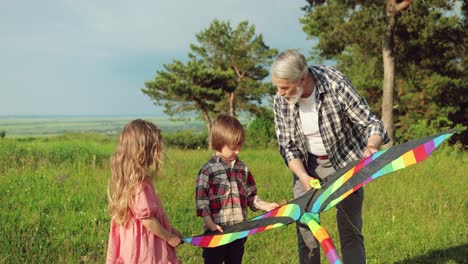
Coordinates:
x,y
315,183
370,149
373,145
305,180
297,167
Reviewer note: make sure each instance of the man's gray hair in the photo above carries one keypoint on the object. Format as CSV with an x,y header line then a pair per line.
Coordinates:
x,y
290,65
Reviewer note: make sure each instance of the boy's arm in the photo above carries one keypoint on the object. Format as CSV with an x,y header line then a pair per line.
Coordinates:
x,y
254,201
262,205
202,198
153,225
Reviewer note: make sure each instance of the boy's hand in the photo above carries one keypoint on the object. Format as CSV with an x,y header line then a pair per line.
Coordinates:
x,y
216,228
265,206
270,206
211,225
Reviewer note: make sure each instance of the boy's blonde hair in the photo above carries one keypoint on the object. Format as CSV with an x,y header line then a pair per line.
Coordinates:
x,y
137,158
226,131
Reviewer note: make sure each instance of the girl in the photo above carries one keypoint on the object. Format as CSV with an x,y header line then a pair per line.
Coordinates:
x,y
140,230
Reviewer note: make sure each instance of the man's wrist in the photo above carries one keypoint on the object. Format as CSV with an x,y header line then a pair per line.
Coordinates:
x,y
371,145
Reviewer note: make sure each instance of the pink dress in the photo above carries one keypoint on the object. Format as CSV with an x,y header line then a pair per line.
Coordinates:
x,y
136,244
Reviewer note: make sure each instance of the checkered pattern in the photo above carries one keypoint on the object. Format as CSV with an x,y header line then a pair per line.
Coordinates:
x,y
225,192
345,120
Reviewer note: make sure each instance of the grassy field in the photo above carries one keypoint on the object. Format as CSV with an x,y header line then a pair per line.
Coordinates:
x,y
53,197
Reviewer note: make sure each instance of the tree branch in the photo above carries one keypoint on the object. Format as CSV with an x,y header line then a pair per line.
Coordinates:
x,y
402,5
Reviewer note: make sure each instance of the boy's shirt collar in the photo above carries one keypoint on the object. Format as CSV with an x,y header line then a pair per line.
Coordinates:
x,y
218,158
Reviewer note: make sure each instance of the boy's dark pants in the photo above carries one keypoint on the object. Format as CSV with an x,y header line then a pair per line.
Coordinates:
x,y
230,253
348,216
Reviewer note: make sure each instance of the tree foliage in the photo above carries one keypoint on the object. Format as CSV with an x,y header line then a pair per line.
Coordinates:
x,y
430,54
261,130
242,51
191,87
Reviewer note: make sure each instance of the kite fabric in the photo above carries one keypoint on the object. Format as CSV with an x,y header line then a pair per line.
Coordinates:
x,y
342,183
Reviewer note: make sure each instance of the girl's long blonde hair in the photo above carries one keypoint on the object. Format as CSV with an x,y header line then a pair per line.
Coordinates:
x,y
137,158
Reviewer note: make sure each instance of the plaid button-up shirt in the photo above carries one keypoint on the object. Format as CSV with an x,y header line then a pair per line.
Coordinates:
x,y
225,192
345,120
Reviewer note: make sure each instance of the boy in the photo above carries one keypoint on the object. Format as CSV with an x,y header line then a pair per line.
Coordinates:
x,y
225,188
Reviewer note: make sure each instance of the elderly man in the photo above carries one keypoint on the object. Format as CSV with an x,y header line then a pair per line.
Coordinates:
x,y
323,124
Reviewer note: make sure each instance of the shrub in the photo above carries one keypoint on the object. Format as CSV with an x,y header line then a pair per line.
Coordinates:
x,y
425,127
187,139
261,131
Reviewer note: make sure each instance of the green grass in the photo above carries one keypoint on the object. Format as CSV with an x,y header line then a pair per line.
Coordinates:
x,y
53,197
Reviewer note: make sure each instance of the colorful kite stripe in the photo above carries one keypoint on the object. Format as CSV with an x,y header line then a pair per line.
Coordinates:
x,y
343,179
409,158
322,236
287,210
223,239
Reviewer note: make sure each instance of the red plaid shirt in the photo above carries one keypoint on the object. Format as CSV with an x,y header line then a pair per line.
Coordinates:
x,y
225,192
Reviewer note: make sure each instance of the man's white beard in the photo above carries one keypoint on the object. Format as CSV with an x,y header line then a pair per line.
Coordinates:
x,y
292,100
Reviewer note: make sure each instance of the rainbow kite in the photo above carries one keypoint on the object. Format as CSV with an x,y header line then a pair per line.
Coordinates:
x,y
342,183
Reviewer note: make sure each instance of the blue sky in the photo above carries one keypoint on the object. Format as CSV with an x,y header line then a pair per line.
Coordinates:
x,y
87,57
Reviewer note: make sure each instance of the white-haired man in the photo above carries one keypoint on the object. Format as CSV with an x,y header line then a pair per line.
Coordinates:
x,y
322,124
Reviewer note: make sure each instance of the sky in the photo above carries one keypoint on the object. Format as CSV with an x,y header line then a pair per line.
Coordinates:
x,y
88,57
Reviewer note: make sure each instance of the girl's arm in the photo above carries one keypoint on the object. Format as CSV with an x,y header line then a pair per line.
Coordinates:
x,y
153,225
177,232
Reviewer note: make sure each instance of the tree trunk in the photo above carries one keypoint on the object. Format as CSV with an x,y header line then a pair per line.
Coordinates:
x,y
388,54
232,104
207,118
389,79
232,95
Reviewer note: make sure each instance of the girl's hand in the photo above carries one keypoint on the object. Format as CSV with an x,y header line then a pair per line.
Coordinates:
x,y
174,241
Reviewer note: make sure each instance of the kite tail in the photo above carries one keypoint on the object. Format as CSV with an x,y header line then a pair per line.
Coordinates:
x,y
321,234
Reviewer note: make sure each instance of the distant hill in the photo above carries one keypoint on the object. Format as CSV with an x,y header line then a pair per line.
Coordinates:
x,y
21,126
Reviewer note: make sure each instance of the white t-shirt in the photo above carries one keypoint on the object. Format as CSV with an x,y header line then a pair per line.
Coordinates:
x,y
310,127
